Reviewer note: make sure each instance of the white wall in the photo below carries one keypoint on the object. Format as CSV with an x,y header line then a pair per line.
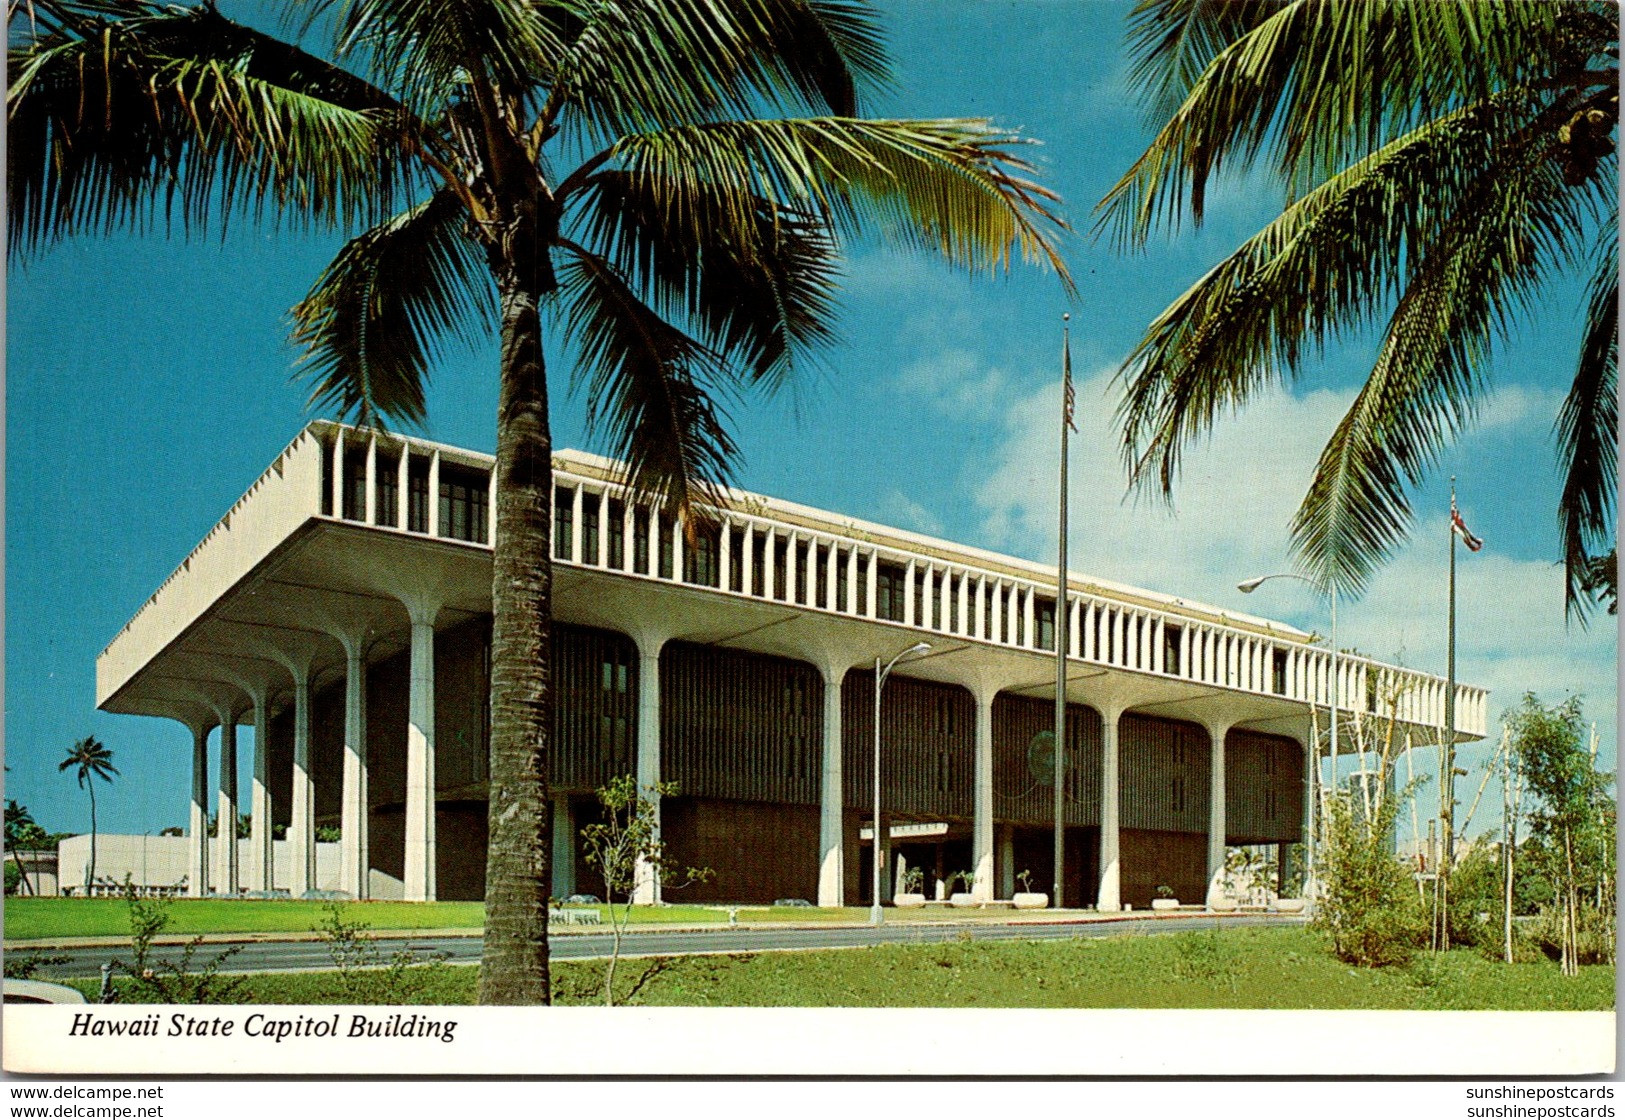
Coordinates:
x,y
161,861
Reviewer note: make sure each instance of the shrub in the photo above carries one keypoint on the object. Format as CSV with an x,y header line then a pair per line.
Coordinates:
x,y
1369,905
365,974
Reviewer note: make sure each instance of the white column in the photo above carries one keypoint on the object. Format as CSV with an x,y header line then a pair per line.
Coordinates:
x,y
628,535
908,594
979,618
491,508
654,542
831,851
725,557
261,870
603,528
354,858
872,580
1074,631
576,524
647,885
679,570
1215,812
226,827
790,568
369,508
403,488
1159,647
302,817
420,771
564,848
1089,629
336,482
197,825
832,576
769,554
1029,615
966,629
982,823
851,604
432,513
1110,897
747,561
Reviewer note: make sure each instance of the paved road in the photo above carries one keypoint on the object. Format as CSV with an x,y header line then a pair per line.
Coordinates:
x,y
294,956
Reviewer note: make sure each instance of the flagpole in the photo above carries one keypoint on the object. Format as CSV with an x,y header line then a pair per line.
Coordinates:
x,y
1447,786
1058,778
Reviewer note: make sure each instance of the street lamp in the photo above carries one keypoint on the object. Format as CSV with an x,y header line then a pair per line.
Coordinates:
x,y
880,682
1329,589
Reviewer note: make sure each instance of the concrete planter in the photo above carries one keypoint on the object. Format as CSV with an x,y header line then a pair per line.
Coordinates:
x,y
1289,905
1030,900
962,899
908,901
1165,904
1223,904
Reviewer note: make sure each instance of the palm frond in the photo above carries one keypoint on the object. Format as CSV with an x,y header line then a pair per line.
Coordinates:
x,y
648,387
428,48
759,294
380,313
1298,85
123,114
1430,373
643,65
1320,268
951,187
1173,41
1587,434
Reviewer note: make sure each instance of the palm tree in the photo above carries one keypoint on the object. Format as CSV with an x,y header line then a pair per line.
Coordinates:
x,y
663,183
23,833
1442,162
89,759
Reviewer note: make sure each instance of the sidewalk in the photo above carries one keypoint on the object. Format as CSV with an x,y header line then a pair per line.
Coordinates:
x,y
965,917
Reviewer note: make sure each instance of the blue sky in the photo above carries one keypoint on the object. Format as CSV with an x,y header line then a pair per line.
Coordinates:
x,y
149,381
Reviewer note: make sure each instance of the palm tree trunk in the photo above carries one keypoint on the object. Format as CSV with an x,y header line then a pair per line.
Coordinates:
x,y
91,786
514,966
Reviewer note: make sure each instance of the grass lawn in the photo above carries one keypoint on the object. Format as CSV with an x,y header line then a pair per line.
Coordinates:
x,y
27,918
1243,968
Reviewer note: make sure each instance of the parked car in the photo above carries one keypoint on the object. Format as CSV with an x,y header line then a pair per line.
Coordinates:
x,y
582,900
38,991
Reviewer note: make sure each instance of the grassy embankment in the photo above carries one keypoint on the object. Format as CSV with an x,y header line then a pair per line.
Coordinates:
x,y
40,918
1241,968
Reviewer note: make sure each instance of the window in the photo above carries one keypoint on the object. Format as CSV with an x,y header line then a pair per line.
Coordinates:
x,y
1278,676
417,506
387,511
1044,615
640,541
889,592
843,579
667,526
464,496
589,528
1173,637
355,485
617,534
702,560
563,521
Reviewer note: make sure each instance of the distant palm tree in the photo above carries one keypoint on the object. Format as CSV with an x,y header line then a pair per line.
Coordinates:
x,y
1442,162
663,184
90,760
22,833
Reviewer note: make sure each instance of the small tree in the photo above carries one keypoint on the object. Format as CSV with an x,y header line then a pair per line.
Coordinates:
x,y
1571,820
627,850
23,834
1369,905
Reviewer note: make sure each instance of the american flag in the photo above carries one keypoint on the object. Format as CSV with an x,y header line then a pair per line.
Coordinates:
x,y
1066,380
1459,527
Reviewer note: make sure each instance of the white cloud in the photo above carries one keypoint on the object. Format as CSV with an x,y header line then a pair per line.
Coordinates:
x,y
897,508
1234,502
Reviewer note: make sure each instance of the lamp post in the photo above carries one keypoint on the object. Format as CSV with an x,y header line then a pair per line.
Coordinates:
x,y
880,682
1329,589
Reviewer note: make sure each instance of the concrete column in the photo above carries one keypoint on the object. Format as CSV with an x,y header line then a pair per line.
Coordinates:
x,y
832,576
564,848
603,528
1029,615
769,554
872,581
790,568
197,825
654,542
1088,632
1007,862
678,559
403,488
628,534
1215,812
369,507
1110,897
226,827
908,594
336,481
1074,630
432,519
831,854
302,822
747,561
1159,647
261,869
354,859
851,604
420,771
982,823
966,628
577,508
647,883
725,557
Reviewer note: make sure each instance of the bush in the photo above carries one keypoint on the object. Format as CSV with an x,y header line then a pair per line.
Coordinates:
x,y
1476,900
1369,903
1594,943
14,877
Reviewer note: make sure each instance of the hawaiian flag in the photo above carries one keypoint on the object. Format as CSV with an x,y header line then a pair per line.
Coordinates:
x,y
1459,527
